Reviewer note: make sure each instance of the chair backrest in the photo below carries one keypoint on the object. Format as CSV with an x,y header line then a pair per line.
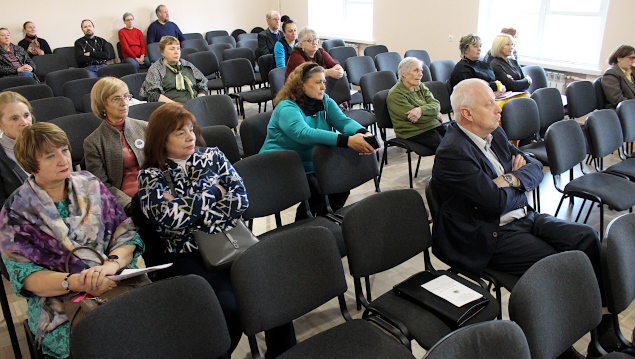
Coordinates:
x,y
214,33
236,33
190,50
222,137
224,40
373,50
143,111
76,89
47,63
381,109
111,51
236,72
77,128
440,92
134,82
57,79
341,53
240,53
250,36
69,54
520,118
420,54
441,70
86,103
276,80
373,82
605,132
205,61
397,232
600,99
556,302
566,146
581,98
253,132
213,110
341,169
199,44
274,181
432,198
218,49
626,112
265,64
117,70
193,35
32,92
327,45
538,77
167,319
358,66
550,107
14,81
338,89
119,50
153,51
256,30
248,44
494,339
387,61
268,296
425,72
49,108
617,257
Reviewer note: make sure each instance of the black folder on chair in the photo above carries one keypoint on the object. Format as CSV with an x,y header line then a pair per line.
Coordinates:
x,y
411,289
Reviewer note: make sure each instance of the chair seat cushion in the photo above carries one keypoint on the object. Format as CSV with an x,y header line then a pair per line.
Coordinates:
x,y
362,117
215,84
415,147
539,151
424,326
626,168
506,280
617,192
335,228
354,339
356,98
256,96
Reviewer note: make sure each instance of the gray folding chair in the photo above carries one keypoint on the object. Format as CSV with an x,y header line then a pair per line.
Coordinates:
x,y
56,79
198,44
134,82
538,77
14,81
328,45
76,89
32,92
550,107
373,50
69,54
441,70
253,132
341,53
117,70
77,128
49,108
388,61
213,110
222,137
214,33
143,111
194,35
48,63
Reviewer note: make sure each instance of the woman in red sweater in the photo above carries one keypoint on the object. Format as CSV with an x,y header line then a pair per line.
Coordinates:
x,y
307,50
133,46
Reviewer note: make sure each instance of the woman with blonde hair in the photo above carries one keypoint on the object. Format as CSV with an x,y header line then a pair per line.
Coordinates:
x,y
15,115
505,67
114,151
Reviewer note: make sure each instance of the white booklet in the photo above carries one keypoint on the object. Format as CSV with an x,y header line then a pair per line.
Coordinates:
x,y
508,94
451,290
129,273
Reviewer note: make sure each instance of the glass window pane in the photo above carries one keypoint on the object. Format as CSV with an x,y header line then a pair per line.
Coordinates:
x,y
577,41
516,5
325,16
575,5
358,26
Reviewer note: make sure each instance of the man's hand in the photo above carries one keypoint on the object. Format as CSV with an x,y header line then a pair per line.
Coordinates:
x,y
86,53
518,162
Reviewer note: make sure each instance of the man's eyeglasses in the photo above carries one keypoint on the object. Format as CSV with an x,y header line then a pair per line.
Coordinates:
x,y
127,97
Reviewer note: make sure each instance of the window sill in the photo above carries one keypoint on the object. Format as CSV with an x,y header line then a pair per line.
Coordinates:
x,y
346,39
561,66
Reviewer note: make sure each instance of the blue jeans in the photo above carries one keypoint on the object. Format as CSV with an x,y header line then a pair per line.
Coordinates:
x,y
26,74
130,60
92,69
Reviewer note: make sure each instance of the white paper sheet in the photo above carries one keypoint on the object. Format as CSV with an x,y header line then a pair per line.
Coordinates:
x,y
451,290
129,273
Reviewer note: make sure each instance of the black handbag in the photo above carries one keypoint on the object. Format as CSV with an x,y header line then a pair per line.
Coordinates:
x,y
220,250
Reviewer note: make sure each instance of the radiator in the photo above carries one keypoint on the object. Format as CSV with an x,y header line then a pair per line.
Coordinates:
x,y
557,80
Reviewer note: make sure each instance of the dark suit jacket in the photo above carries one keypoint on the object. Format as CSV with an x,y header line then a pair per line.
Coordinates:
x,y
470,204
266,42
616,87
11,176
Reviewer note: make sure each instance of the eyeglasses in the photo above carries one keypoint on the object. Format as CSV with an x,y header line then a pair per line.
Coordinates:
x,y
313,40
127,97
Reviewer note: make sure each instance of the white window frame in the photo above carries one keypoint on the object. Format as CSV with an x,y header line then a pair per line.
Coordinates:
x,y
485,17
336,31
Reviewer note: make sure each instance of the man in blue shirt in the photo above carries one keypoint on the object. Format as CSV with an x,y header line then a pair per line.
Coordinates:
x,y
267,38
163,26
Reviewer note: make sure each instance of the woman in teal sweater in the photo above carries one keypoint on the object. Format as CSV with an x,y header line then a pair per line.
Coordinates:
x,y
304,117
413,110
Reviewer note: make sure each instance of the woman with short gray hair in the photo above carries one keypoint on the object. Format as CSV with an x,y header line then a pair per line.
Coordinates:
x,y
471,67
307,50
133,46
413,110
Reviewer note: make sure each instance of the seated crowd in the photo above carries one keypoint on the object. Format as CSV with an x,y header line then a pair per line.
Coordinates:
x,y
181,186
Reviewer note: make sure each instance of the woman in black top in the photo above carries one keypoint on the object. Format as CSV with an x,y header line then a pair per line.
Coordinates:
x,y
471,67
33,45
505,67
15,115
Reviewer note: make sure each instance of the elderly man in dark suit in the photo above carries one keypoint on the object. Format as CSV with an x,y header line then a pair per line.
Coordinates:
x,y
484,219
268,37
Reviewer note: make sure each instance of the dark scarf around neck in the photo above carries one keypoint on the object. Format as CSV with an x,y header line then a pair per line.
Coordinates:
x,y
311,106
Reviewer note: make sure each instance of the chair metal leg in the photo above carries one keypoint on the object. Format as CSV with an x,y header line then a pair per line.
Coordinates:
x,y
581,208
6,312
381,167
601,221
368,295
588,213
418,164
559,204
410,169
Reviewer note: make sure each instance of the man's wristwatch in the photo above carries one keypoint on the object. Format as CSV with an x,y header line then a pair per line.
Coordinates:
x,y
509,178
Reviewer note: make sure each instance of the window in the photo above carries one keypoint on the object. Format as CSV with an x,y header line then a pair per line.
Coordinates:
x,y
564,33
350,20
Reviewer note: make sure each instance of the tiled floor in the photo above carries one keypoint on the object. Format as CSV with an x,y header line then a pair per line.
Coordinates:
x,y
395,177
